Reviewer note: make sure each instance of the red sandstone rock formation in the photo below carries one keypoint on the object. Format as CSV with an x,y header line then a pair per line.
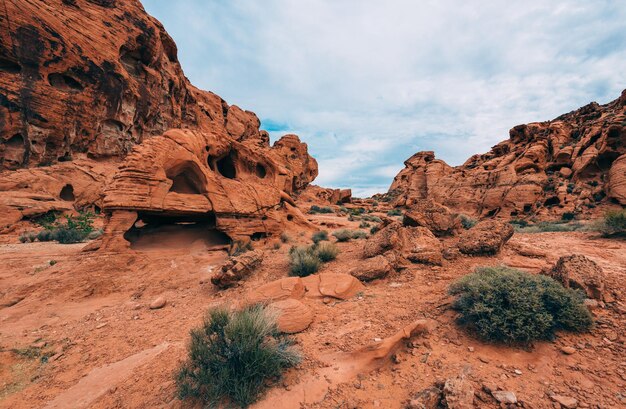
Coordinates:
x,y
87,86
569,164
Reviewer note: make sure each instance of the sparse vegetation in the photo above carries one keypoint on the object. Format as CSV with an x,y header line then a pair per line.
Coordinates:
x,y
284,237
73,229
614,223
568,216
364,225
467,222
343,235
359,234
317,209
27,237
371,218
303,261
374,229
506,305
233,355
326,251
394,212
239,247
318,236
549,226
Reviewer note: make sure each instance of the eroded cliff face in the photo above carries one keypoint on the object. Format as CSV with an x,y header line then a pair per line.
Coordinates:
x,y
90,94
570,164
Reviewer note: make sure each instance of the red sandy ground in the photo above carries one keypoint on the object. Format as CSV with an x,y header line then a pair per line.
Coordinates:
x,y
106,349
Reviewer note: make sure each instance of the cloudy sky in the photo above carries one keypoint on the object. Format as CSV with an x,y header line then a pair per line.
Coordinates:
x,y
368,83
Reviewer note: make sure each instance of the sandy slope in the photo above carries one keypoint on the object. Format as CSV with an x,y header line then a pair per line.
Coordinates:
x,y
108,349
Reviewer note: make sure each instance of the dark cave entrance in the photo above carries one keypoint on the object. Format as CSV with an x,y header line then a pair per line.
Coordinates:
x,y
226,166
67,193
175,232
187,178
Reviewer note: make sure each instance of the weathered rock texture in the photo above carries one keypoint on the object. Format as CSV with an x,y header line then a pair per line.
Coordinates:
x,y
577,271
486,238
569,164
88,85
237,268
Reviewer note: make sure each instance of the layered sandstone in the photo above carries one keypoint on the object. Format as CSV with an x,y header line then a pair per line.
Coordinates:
x,y
570,164
95,110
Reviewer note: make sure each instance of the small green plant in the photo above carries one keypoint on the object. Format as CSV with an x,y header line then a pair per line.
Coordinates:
x,y
614,223
318,236
46,220
27,237
284,237
239,247
303,261
317,209
45,235
277,245
550,226
371,218
364,225
343,235
506,305
233,355
467,222
374,229
52,262
66,235
568,216
394,212
518,222
359,234
326,251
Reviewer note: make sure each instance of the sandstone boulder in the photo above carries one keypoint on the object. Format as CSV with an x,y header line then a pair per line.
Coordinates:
x,y
372,268
578,271
336,285
435,217
292,315
237,268
289,287
416,244
458,393
486,237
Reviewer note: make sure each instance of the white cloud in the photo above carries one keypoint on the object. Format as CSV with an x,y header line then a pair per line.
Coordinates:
x,y
367,83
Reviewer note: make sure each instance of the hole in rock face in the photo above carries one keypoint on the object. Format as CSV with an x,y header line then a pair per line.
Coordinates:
x,y
606,159
258,236
552,201
9,66
67,193
493,212
289,217
162,232
187,179
16,141
226,167
527,208
64,82
260,170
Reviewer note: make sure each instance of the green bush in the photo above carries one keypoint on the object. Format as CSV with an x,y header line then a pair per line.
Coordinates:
x,y
553,226
507,305
66,235
303,261
284,237
45,235
343,235
359,234
467,222
568,216
371,218
374,229
27,237
232,356
394,212
326,251
615,222
316,209
318,236
239,247
364,225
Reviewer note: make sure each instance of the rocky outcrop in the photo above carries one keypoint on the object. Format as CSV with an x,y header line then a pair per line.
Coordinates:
x,y
237,268
569,164
485,238
437,218
577,271
95,105
372,268
398,243
321,195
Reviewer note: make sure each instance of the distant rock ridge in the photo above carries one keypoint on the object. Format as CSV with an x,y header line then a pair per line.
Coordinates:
x,y
573,163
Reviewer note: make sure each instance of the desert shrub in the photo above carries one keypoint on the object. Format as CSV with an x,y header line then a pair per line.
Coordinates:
x,y
239,247
318,236
284,237
45,235
326,251
232,356
46,220
371,218
317,209
343,235
27,237
568,216
550,226
467,222
374,229
507,305
614,222
364,225
66,235
394,212
303,261
518,222
359,234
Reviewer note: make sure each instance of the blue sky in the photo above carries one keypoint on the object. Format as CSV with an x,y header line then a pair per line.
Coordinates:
x,y
368,83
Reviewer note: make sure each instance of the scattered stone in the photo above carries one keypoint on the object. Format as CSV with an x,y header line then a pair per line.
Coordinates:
x,y
372,269
470,349
102,325
237,268
565,401
517,372
577,271
485,238
429,398
292,315
458,393
507,397
158,303
568,350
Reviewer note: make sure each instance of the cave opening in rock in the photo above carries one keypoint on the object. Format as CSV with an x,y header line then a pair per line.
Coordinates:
x,y
260,170
64,82
258,236
226,166
16,141
187,178
606,159
67,193
493,212
9,66
552,201
154,231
